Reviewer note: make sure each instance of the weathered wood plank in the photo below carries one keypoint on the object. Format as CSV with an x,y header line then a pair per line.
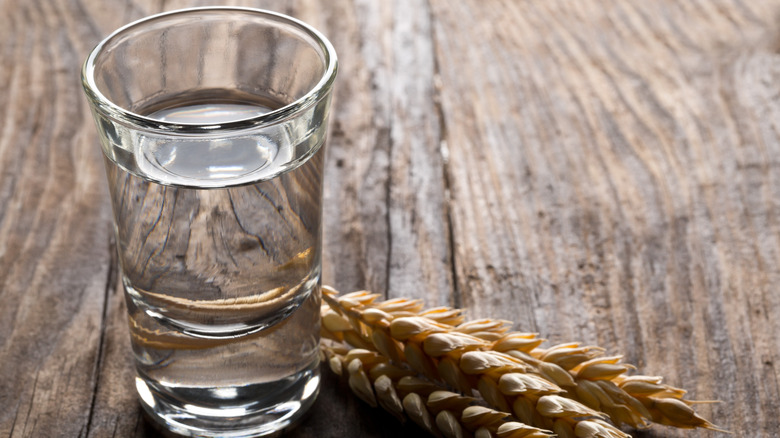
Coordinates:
x,y
54,260
356,229
596,171
612,181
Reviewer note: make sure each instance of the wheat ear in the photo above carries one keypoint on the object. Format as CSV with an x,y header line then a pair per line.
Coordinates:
x,y
554,388
439,345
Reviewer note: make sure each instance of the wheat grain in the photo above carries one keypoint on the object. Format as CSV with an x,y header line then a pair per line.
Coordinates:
x,y
449,426
414,406
388,397
513,429
359,383
474,417
519,383
597,429
560,407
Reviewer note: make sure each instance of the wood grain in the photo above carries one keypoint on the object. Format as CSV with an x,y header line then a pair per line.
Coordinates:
x,y
593,170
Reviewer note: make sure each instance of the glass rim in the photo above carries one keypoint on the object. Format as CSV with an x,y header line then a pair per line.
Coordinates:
x,y
127,117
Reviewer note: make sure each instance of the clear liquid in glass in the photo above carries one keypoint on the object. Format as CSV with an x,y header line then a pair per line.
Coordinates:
x,y
219,245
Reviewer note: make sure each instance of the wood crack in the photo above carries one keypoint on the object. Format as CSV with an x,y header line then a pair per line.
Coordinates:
x,y
388,207
32,403
111,279
445,164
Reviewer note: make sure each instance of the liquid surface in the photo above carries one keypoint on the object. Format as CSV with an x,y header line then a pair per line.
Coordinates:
x,y
192,160
222,283
209,113
214,160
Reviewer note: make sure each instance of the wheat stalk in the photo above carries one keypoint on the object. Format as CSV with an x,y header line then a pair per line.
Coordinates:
x,y
567,388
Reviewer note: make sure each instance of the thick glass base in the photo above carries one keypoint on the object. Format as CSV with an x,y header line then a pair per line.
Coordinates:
x,y
259,410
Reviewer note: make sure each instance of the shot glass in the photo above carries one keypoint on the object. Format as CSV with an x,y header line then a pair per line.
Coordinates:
x,y
212,123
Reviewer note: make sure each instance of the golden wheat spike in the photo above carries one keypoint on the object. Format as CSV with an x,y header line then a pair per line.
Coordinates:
x,y
474,356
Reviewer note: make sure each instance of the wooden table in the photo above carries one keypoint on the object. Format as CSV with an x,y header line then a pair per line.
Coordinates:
x,y
607,172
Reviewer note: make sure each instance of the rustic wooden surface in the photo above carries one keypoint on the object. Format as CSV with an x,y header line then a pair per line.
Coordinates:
x,y
603,171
